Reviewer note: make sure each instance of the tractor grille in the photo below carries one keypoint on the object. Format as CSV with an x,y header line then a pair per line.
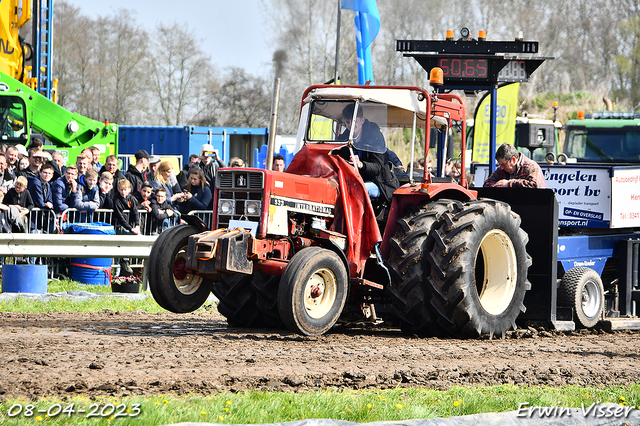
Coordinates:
x,y
241,180
236,190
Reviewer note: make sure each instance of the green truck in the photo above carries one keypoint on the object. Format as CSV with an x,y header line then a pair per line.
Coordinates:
x,y
24,111
603,137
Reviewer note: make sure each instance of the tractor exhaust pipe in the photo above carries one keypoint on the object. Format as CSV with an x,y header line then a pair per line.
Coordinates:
x,y
273,124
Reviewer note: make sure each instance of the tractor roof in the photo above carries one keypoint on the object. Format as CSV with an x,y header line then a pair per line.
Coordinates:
x,y
401,103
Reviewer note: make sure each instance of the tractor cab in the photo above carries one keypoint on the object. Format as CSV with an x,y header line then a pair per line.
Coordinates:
x,y
400,114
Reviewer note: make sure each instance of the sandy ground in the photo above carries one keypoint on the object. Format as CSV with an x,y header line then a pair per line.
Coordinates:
x,y
109,353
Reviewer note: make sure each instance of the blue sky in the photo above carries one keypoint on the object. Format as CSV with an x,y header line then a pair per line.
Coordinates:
x,y
233,33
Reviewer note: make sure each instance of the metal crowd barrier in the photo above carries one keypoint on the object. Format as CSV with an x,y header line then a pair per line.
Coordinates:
x,y
46,239
49,222
206,216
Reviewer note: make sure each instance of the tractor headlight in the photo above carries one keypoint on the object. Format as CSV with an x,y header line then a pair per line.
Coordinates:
x,y
253,208
225,207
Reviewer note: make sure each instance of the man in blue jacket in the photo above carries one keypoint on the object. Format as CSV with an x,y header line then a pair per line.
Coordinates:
x,y
40,190
64,189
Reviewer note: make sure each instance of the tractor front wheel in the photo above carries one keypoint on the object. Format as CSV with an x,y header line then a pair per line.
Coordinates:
x,y
312,291
172,285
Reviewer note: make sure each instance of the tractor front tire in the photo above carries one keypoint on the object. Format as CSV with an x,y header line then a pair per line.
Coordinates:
x,y
312,291
173,286
479,266
581,289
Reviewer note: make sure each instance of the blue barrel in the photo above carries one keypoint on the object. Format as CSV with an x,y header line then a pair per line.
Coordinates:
x,y
24,278
91,270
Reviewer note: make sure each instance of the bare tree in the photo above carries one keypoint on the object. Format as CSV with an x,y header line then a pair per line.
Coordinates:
x,y
128,45
73,40
244,100
175,65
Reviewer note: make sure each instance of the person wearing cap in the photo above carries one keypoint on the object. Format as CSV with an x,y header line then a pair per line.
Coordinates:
x,y
136,172
154,162
22,150
209,163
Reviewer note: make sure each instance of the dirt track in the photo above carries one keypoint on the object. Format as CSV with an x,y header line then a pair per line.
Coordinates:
x,y
139,353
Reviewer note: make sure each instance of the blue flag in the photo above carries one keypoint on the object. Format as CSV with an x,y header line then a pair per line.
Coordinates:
x,y
367,20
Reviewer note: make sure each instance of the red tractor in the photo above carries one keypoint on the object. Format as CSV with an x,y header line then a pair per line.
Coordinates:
x,y
301,247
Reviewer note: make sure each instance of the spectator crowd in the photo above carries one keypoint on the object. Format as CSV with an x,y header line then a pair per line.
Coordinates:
x,y
37,178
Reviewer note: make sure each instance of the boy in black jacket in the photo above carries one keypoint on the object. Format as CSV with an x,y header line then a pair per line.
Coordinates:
x,y
19,196
125,212
163,214
126,218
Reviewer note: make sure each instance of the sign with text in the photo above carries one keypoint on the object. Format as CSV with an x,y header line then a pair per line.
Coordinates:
x,y
584,193
625,195
505,121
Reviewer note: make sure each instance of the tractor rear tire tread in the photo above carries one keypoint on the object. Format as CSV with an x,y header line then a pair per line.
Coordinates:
x,y
456,239
410,299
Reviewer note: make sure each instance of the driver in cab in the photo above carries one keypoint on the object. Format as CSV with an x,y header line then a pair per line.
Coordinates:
x,y
378,177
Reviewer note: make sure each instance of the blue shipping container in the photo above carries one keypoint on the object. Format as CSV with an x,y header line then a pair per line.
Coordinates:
x,y
186,140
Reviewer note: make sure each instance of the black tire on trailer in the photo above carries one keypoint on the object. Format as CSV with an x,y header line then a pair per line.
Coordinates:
x,y
266,289
237,300
313,291
479,266
408,267
173,286
581,289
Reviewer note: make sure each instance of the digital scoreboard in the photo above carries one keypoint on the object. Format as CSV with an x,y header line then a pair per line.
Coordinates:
x,y
472,62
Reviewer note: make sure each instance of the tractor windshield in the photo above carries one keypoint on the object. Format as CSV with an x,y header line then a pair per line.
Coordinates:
x,y
332,121
12,119
620,145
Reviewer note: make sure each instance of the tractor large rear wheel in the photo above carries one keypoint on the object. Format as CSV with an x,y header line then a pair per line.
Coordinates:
x,y
479,264
408,268
266,289
174,287
237,300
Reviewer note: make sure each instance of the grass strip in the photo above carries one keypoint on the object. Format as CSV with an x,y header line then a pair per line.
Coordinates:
x,y
270,407
64,304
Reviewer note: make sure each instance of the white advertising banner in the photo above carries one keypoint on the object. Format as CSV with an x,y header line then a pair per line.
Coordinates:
x,y
625,193
583,193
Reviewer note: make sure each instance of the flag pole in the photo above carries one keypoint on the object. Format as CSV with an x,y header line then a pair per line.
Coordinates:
x,y
335,71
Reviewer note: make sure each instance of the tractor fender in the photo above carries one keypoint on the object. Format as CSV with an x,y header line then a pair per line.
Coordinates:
x,y
405,197
194,221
